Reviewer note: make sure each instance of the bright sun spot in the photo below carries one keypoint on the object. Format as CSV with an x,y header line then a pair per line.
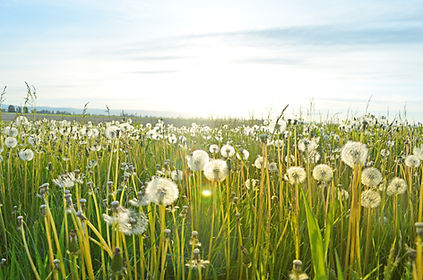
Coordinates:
x,y
206,192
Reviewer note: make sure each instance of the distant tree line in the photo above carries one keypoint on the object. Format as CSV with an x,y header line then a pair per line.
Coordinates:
x,y
24,109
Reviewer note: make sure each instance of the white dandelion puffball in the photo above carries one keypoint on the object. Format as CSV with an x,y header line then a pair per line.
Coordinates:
x,y
418,152
214,149
227,151
322,173
354,153
10,142
342,194
67,180
243,154
273,167
198,160
371,177
412,161
370,199
176,175
296,175
251,183
216,170
258,163
306,145
21,120
128,222
11,131
26,154
277,126
396,186
161,191
112,132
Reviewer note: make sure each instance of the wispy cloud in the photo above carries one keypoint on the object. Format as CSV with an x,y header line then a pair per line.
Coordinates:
x,y
157,58
326,35
270,60
153,72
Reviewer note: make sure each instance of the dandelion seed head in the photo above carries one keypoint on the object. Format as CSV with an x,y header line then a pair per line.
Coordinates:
x,y
67,180
243,154
251,183
10,142
11,131
273,167
216,170
354,153
342,194
227,151
258,163
112,132
370,199
214,149
128,222
198,160
322,173
296,175
306,145
176,175
396,186
161,191
277,126
26,155
412,161
418,152
371,177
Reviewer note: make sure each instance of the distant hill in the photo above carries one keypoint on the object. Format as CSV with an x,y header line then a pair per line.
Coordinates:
x,y
113,112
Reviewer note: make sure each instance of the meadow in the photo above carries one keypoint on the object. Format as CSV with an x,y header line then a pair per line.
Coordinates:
x,y
271,199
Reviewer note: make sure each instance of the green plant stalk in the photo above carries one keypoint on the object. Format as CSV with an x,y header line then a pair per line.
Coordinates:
x,y
56,239
178,270
25,184
50,248
162,241
103,261
163,261
153,256
34,269
316,242
134,253
102,241
228,233
421,198
214,208
3,226
368,238
125,249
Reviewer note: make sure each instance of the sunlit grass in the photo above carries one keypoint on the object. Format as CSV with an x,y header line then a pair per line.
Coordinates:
x,y
83,201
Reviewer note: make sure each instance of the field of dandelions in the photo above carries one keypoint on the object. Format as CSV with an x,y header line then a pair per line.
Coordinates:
x,y
275,199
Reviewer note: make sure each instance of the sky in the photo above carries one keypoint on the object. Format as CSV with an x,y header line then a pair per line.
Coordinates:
x,y
216,58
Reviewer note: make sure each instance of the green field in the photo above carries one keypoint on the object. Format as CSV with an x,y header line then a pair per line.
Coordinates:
x,y
85,197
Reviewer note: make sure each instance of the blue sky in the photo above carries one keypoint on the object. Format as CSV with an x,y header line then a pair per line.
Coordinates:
x,y
222,58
